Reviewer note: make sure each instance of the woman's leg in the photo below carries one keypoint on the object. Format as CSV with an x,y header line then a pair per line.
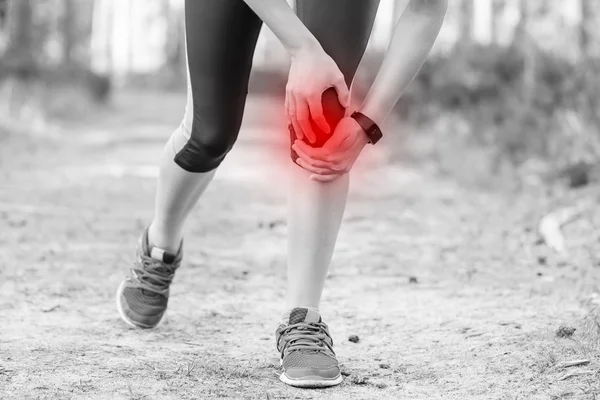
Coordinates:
x,y
218,74
315,209
177,193
221,36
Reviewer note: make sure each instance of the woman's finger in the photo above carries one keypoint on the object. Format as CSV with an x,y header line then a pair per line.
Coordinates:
x,y
324,178
338,167
319,153
342,91
294,119
303,115
313,169
316,113
310,160
287,113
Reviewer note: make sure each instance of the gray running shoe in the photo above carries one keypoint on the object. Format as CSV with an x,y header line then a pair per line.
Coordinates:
x,y
143,296
306,349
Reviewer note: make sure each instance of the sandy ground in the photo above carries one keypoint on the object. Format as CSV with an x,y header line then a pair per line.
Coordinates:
x,y
477,321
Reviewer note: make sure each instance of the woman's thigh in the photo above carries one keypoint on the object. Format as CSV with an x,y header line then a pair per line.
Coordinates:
x,y
343,28
221,37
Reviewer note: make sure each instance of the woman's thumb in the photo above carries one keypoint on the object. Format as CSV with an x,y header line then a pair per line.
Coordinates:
x,y
343,93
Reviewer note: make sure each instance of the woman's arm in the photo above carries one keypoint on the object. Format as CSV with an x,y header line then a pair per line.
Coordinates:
x,y
312,71
284,23
413,38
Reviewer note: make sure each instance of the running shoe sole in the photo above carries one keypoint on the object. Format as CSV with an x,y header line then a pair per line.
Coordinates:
x,y
311,382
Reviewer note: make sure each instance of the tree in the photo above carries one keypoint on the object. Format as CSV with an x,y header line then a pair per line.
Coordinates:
x,y
19,57
524,43
175,42
68,31
3,13
521,28
466,22
584,28
102,37
497,9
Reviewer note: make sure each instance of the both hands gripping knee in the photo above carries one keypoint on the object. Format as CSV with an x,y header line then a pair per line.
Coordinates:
x,y
333,112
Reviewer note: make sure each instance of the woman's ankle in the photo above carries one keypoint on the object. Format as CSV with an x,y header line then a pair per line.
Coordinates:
x,y
166,239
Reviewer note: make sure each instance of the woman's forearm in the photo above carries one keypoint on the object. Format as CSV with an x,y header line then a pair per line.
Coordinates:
x,y
413,38
281,19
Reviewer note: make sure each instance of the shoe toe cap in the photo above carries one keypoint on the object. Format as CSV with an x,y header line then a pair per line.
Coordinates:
x,y
137,315
143,321
313,373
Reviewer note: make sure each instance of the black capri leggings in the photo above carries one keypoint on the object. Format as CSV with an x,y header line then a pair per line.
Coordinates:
x,y
221,36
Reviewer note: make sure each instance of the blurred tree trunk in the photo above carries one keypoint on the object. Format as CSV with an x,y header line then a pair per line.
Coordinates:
x,y
497,10
584,28
108,34
175,42
20,51
68,31
131,42
521,28
523,42
3,13
466,22
101,37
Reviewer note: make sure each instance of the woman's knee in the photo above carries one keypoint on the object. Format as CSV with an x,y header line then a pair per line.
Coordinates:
x,y
204,145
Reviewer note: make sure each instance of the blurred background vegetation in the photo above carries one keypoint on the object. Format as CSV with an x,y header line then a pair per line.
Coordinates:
x,y
511,88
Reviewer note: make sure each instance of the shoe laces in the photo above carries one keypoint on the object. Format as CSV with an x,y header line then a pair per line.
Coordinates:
x,y
154,275
308,337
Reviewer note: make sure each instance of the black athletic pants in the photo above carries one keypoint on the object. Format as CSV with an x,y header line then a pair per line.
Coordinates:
x,y
221,36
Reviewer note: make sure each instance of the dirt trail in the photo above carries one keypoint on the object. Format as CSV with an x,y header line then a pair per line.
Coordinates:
x,y
478,324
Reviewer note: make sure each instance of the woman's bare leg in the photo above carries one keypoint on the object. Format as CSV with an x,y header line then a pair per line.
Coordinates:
x,y
315,209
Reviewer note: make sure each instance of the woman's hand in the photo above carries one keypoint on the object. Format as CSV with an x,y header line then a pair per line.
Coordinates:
x,y
338,154
312,72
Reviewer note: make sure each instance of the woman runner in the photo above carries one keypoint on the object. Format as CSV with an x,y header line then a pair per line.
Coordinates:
x,y
326,40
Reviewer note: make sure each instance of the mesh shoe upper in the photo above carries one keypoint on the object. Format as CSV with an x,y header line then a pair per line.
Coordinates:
x,y
316,360
151,273
305,343
146,289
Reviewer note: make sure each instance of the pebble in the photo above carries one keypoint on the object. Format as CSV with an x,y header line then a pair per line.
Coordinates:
x,y
565,331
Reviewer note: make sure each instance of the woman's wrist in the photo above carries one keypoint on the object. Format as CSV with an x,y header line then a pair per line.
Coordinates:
x,y
284,23
305,44
373,112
